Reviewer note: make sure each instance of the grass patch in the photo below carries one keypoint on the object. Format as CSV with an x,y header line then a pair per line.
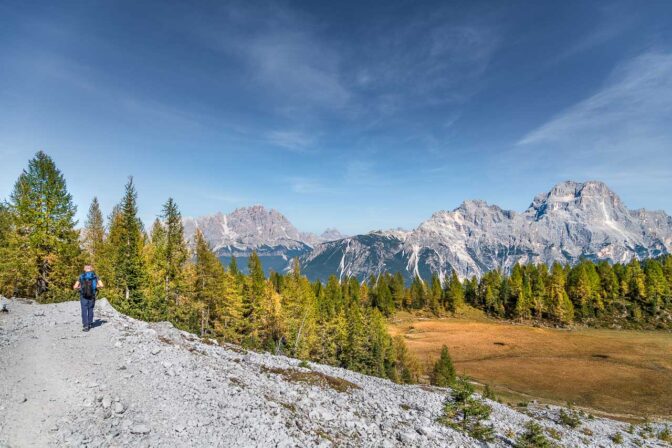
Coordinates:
x,y
313,378
583,365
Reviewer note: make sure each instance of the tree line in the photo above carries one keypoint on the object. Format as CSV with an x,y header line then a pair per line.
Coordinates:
x,y
158,275
637,293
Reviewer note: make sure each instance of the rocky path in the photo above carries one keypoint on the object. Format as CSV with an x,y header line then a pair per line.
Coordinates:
x,y
127,383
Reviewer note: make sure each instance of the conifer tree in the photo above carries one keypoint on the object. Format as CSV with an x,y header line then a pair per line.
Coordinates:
x,y
407,366
93,236
657,289
42,256
443,373
636,282
418,293
560,307
254,292
174,251
519,296
157,304
454,292
398,290
300,313
466,413
233,266
127,239
538,288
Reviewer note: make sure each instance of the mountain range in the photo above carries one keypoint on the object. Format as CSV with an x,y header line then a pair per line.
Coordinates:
x,y
573,220
256,228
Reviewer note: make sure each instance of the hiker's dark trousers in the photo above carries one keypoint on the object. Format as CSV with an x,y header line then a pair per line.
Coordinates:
x,y
87,311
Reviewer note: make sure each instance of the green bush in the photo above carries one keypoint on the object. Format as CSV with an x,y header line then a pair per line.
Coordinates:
x,y
465,413
569,418
533,437
617,438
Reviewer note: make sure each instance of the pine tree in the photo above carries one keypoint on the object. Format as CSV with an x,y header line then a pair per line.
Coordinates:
x,y
398,289
560,307
636,282
93,235
443,373
454,293
406,366
300,313
254,292
127,240
519,293
539,298
657,289
219,300
42,256
466,413
418,293
157,304
175,250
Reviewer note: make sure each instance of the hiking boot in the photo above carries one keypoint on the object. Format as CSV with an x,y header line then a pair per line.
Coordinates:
x,y
86,328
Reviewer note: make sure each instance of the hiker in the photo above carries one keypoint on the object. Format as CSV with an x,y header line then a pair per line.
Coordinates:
x,y
88,284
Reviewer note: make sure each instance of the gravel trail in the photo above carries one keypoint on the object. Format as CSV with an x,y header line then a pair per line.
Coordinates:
x,y
127,383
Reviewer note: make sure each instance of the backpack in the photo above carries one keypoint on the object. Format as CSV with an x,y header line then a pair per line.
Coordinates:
x,y
87,284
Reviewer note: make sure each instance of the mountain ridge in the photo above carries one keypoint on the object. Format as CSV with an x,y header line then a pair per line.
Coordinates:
x,y
570,221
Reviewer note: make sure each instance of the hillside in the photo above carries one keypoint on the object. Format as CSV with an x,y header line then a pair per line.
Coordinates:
x,y
131,383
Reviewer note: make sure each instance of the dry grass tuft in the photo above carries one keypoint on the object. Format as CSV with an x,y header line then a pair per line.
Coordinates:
x,y
313,378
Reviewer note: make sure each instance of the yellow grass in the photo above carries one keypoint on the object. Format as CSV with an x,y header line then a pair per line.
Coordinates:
x,y
622,373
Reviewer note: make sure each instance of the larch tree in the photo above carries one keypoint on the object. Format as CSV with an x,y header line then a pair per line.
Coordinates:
x,y
443,373
42,253
560,306
127,240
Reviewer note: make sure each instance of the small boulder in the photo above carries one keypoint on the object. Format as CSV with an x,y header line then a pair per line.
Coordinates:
x,y
140,429
118,408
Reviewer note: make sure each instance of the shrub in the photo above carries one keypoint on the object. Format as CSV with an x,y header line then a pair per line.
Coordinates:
x,y
533,437
665,435
569,418
617,438
489,393
304,364
465,413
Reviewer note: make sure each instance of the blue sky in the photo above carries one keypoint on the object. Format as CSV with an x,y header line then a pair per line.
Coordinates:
x,y
352,115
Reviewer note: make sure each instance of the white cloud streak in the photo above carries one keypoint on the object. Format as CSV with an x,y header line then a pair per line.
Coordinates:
x,y
636,100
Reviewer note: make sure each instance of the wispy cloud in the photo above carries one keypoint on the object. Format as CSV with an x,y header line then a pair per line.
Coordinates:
x,y
614,20
307,185
621,134
637,99
292,140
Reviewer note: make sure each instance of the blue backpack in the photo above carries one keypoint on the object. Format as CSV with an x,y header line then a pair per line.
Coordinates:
x,y
87,284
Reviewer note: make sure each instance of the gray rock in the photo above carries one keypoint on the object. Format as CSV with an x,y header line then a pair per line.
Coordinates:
x,y
118,408
140,428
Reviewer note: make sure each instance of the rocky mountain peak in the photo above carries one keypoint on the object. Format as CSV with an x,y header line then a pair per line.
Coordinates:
x,y
571,221
586,198
331,234
258,221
